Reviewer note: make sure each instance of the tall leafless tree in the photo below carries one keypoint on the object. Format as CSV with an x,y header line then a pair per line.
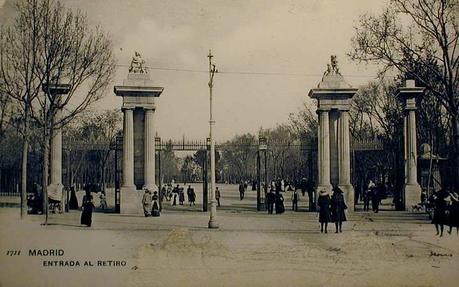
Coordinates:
x,y
57,46
410,34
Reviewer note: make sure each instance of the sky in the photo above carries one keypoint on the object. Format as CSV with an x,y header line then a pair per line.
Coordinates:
x,y
286,44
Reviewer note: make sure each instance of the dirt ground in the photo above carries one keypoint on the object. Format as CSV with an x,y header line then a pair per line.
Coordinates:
x,y
249,249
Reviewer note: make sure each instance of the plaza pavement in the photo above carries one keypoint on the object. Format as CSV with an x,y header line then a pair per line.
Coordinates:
x,y
249,249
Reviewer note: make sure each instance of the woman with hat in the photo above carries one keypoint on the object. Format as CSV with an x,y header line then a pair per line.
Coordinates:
x,y
324,209
337,208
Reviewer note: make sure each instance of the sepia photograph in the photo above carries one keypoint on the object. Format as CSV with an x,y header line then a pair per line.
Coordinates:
x,y
245,143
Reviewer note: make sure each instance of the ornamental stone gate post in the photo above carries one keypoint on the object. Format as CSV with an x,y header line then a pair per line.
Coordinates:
x,y
333,96
138,108
56,188
408,95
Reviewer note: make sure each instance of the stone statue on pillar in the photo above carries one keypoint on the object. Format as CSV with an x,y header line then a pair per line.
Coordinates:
x,y
137,64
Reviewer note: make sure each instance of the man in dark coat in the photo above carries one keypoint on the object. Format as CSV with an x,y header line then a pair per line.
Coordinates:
x,y
337,208
241,191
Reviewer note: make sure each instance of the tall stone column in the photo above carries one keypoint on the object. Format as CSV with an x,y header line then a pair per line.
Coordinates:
x,y
345,159
56,188
324,151
128,149
408,95
149,150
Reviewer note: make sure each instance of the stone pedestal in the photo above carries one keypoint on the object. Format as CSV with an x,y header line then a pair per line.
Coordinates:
x,y
138,140
412,189
333,96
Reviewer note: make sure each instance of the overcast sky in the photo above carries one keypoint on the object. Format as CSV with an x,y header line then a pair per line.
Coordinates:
x,y
292,39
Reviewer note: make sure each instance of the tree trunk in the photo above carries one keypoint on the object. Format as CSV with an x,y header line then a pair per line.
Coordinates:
x,y
25,152
46,143
25,156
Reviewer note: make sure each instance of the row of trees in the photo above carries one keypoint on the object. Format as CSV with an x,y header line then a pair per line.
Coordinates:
x,y
47,45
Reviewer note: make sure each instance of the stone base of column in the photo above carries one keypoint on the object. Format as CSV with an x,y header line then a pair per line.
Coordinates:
x,y
348,190
412,196
56,192
130,200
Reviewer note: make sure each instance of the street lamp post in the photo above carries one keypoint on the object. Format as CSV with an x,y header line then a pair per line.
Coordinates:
x,y
262,147
213,203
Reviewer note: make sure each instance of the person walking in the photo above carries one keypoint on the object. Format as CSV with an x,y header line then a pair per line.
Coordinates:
x,y
439,217
217,196
192,197
337,208
155,209
241,191
146,202
453,218
375,199
324,202
366,199
295,201
87,207
279,203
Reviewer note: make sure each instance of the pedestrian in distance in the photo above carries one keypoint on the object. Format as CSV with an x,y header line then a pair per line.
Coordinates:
x,y
338,206
453,218
295,199
439,214
375,199
366,199
192,197
103,200
279,203
241,191
324,202
270,199
188,194
87,208
217,196
146,202
155,209
181,196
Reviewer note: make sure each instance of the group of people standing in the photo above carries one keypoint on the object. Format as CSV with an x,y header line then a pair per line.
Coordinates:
x,y
374,194
331,209
275,201
150,203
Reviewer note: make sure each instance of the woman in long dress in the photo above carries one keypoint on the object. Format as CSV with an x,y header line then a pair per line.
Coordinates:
x,y
88,207
324,210
337,208
279,203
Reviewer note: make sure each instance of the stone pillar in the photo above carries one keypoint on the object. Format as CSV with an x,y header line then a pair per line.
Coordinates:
x,y
412,190
345,159
149,150
324,151
56,188
128,149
